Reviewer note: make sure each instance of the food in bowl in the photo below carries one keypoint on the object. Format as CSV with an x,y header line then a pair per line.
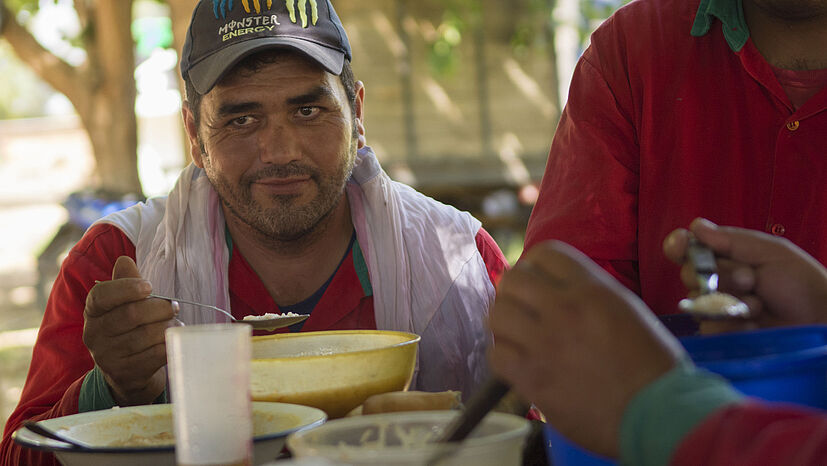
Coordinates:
x,y
141,435
406,438
334,371
271,315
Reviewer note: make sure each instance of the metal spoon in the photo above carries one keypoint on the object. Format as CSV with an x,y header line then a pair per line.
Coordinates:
x,y
47,432
710,303
272,323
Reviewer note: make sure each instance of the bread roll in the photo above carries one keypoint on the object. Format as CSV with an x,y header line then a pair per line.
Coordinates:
x,y
412,401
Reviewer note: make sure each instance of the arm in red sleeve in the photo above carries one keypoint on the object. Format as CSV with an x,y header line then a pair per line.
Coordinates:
x,y
589,193
756,433
495,261
60,361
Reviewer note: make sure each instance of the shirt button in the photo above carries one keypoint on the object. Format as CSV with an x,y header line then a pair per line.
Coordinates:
x,y
793,125
778,229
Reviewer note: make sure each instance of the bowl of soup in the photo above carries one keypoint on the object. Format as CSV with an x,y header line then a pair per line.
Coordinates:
x,y
143,435
334,371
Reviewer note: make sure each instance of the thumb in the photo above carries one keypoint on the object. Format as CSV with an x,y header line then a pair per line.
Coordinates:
x,y
125,267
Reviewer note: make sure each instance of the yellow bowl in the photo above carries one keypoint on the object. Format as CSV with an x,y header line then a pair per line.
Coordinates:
x,y
334,371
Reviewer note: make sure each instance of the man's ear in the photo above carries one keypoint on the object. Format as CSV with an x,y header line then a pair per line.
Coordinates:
x,y
192,134
360,113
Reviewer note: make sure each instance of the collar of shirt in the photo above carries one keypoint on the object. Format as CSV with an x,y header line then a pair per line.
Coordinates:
x,y
730,13
347,291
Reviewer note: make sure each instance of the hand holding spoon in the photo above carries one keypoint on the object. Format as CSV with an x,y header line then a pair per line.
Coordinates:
x,y
264,322
710,303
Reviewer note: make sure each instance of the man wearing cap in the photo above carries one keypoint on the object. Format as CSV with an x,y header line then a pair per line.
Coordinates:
x,y
285,208
681,108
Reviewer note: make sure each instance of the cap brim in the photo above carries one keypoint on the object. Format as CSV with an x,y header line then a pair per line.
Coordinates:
x,y
206,73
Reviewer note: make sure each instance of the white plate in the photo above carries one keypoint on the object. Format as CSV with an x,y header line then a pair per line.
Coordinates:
x,y
105,429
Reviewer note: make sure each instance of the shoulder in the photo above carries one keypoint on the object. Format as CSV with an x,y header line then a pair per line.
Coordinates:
x,y
495,261
648,27
97,251
416,205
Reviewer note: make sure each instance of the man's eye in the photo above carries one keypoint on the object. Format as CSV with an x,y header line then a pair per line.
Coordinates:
x,y
242,121
308,111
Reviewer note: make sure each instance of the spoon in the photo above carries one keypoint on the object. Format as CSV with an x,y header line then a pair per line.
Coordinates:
x,y
265,322
47,432
710,303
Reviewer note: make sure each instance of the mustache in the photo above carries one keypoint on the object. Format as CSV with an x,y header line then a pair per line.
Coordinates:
x,y
280,171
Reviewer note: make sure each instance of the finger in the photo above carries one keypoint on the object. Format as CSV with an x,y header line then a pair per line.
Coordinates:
x,y
125,267
105,296
746,246
570,268
734,277
755,305
127,317
529,286
675,244
507,361
518,326
689,278
134,373
137,340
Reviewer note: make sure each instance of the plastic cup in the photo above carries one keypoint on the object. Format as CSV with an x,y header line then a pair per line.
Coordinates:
x,y
209,378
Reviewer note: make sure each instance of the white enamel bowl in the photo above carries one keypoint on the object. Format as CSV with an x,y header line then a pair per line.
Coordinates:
x,y
106,430
404,439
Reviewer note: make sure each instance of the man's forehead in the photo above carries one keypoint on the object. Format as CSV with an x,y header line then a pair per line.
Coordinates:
x,y
284,78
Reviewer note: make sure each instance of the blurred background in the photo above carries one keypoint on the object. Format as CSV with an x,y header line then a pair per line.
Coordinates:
x,y
462,99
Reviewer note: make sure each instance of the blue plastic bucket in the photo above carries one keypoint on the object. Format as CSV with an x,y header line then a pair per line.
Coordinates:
x,y
562,452
784,364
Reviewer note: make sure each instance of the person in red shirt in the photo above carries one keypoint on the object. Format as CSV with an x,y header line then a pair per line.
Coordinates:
x,y
609,376
285,208
687,108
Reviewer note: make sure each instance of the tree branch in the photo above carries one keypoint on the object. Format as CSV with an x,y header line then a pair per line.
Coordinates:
x,y
62,76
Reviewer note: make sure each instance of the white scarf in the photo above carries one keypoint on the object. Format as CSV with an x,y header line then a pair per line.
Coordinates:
x,y
425,270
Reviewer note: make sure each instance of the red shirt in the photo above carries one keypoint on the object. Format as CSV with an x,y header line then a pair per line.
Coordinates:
x,y
662,126
756,434
60,361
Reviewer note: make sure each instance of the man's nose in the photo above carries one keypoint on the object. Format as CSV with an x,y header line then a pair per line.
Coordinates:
x,y
278,145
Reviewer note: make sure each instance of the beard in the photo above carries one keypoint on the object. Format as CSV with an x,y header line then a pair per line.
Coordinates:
x,y
793,10
286,219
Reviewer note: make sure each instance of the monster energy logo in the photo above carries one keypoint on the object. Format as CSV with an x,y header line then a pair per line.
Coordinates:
x,y
222,7
314,11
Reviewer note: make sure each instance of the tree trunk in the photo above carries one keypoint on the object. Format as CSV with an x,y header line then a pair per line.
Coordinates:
x,y
111,111
180,13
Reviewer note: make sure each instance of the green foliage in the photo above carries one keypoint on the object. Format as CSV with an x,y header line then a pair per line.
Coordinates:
x,y
17,6
530,33
443,52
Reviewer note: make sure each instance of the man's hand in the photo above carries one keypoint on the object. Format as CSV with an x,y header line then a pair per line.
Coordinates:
x,y
124,333
577,343
781,284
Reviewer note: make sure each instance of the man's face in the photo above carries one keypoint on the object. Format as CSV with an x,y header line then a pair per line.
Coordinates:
x,y
278,144
793,10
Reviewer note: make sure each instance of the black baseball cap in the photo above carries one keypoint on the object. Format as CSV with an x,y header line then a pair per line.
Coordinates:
x,y
223,32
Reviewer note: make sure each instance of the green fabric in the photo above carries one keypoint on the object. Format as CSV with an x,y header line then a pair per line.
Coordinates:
x,y
95,394
361,268
664,412
731,15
